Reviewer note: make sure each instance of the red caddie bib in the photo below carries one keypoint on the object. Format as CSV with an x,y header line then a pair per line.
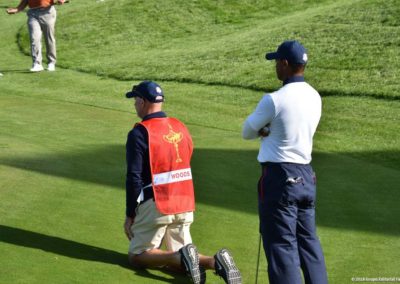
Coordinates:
x,y
170,151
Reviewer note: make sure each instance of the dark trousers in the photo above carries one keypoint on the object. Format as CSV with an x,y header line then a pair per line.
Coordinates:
x,y
287,224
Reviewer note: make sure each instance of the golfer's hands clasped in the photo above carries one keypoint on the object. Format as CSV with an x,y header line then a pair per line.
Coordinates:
x,y
127,227
265,131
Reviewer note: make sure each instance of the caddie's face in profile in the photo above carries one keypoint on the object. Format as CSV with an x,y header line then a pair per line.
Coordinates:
x,y
139,106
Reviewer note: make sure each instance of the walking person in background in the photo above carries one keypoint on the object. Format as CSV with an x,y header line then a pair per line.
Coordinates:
x,y
41,19
286,121
160,194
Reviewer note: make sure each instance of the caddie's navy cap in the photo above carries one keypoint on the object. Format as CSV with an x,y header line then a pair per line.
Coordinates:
x,y
148,90
290,50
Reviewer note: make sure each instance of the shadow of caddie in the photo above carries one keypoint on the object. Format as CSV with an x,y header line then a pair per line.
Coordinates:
x,y
72,249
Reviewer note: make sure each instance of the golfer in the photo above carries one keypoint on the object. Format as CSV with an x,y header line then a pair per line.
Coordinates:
x,y
41,19
286,121
160,195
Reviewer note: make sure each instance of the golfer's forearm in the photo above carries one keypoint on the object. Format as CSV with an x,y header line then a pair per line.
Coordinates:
x,y
248,132
22,5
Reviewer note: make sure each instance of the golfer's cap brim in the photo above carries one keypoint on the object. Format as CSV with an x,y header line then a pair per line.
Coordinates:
x,y
272,56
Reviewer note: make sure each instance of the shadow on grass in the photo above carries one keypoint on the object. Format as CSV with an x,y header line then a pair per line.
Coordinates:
x,y
5,71
356,191
61,246
253,87
72,249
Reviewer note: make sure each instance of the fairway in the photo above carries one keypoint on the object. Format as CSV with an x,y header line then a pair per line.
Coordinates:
x,y
63,134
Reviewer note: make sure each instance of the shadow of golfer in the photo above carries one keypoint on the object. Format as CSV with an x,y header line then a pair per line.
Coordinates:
x,y
72,249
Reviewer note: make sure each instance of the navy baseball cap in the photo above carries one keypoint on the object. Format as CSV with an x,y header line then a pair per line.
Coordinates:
x,y
290,50
148,90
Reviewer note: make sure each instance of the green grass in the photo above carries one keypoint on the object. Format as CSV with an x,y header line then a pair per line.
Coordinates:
x,y
62,134
354,42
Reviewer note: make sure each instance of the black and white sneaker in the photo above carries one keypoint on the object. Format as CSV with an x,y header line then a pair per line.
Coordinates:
x,y
190,261
226,268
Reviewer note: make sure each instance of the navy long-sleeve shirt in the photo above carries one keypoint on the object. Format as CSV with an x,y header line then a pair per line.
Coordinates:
x,y
138,172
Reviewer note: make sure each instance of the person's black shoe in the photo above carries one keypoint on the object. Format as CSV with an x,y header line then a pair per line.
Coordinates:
x,y
226,268
190,261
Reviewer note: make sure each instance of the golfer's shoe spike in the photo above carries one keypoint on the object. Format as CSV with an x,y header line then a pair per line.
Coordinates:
x,y
190,261
226,268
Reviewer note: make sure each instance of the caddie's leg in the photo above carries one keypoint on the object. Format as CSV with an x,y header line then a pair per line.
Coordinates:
x,y
35,35
48,22
156,258
177,233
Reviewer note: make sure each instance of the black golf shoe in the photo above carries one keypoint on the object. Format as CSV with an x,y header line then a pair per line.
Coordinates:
x,y
190,261
226,268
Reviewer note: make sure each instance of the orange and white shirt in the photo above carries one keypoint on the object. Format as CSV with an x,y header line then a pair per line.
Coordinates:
x,y
33,4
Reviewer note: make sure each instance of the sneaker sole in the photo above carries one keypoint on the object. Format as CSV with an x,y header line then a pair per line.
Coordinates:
x,y
191,262
233,275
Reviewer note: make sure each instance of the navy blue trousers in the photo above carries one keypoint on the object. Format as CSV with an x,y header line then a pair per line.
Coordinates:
x,y
287,195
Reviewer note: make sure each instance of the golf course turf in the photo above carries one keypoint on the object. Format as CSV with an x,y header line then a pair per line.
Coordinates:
x,y
63,133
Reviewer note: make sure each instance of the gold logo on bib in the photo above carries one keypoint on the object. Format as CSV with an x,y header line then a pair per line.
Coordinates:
x,y
174,138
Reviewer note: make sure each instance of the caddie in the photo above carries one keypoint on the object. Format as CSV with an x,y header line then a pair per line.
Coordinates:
x,y
160,194
285,121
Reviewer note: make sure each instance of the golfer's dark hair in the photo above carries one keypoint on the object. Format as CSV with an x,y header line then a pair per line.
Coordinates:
x,y
297,67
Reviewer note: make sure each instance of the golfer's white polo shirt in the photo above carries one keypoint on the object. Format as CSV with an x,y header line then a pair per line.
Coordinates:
x,y
293,113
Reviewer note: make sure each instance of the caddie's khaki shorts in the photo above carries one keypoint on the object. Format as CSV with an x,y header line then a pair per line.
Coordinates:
x,y
151,229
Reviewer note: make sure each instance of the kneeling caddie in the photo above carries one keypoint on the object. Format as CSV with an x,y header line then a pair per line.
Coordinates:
x,y
160,194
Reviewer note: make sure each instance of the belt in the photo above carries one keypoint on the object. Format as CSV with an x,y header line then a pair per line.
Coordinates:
x,y
274,165
264,165
41,8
